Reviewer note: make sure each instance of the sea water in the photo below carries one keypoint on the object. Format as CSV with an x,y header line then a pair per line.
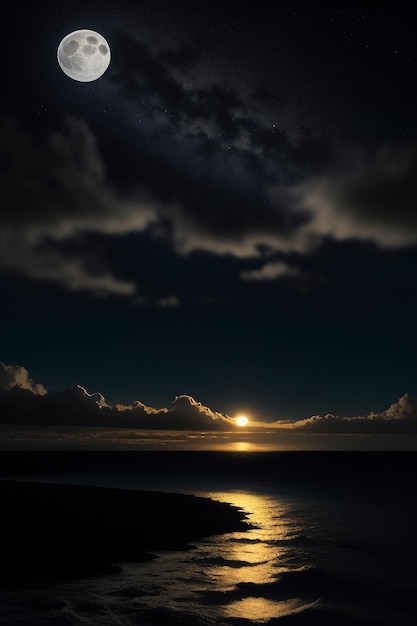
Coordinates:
x,y
332,540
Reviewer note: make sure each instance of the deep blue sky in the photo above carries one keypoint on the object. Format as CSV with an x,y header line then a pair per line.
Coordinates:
x,y
229,212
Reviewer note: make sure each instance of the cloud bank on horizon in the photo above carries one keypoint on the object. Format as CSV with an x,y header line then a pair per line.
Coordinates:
x,y
23,402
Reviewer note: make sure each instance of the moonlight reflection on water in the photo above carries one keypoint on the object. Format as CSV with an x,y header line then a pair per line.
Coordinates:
x,y
254,556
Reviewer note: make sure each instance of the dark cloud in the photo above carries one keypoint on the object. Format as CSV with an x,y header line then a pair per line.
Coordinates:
x,y
269,175
399,419
368,199
256,183
23,402
54,191
373,198
16,376
189,99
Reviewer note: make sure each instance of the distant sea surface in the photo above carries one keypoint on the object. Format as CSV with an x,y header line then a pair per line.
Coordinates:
x,y
334,541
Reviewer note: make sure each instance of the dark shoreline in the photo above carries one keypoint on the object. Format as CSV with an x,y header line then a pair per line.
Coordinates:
x,y
51,532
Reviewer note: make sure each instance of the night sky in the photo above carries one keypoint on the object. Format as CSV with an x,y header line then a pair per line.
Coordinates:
x,y
229,214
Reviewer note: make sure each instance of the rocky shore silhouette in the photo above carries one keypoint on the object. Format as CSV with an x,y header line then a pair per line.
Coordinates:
x,y
51,532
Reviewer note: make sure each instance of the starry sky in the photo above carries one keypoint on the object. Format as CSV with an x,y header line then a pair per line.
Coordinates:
x,y
224,223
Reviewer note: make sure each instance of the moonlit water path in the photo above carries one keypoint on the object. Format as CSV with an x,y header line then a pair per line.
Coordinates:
x,y
302,557
320,551
202,583
255,556
211,571
196,585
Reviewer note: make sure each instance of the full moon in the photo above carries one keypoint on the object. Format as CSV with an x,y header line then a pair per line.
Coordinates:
x,y
242,420
84,55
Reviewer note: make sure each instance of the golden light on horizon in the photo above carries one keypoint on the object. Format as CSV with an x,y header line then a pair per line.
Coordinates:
x,y
242,420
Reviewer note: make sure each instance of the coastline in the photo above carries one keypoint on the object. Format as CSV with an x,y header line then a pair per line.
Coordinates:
x,y
51,532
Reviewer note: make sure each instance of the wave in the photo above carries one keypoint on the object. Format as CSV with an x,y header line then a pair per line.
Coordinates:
x,y
306,580
235,563
168,615
319,614
133,592
248,540
299,540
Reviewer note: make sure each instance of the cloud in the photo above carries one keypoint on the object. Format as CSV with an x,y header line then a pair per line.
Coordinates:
x,y
372,199
233,145
23,402
400,418
54,191
71,273
191,97
369,198
18,376
270,271
186,411
168,302
177,93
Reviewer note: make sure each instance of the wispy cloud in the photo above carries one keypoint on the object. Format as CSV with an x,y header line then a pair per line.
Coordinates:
x,y
270,271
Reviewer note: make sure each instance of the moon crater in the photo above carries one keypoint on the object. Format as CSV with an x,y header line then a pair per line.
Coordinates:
x,y
84,55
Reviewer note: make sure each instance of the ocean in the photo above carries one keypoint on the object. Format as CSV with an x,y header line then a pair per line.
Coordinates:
x,y
333,540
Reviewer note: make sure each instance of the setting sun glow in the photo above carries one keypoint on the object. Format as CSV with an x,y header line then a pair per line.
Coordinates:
x,y
242,420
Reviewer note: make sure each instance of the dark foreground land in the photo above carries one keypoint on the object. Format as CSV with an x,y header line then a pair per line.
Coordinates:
x,y
50,532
